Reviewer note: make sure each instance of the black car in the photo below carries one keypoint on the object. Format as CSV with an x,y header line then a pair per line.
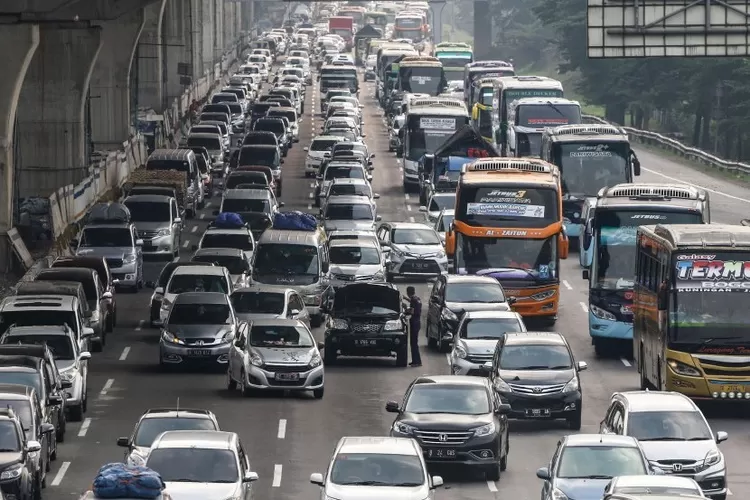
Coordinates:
x,y
98,264
275,125
158,287
457,420
19,477
366,320
536,374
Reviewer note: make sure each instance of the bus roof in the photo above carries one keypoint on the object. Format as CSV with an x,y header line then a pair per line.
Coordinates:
x,y
500,169
701,237
528,82
545,101
452,46
447,105
594,131
410,59
650,194
481,65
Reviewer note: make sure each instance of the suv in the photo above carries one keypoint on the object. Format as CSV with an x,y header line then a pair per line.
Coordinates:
x,y
158,288
20,472
158,222
98,264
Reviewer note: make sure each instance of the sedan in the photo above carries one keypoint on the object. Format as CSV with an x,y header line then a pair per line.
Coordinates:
x,y
259,301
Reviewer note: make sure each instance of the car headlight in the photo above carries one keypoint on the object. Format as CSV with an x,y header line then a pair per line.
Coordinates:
x,y
683,369
459,352
378,276
449,315
600,313
339,324
500,385
441,254
129,259
315,361
571,386
403,428
69,374
485,430
558,495
713,457
392,325
12,473
163,232
228,337
170,338
543,295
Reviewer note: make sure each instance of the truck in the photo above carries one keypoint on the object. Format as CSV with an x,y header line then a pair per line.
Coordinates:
x,y
165,182
344,27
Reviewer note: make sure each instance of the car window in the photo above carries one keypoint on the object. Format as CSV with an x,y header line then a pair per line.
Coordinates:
x,y
150,428
581,462
668,426
535,357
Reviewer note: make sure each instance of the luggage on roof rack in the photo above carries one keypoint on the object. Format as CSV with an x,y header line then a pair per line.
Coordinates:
x,y
122,481
296,221
228,220
108,213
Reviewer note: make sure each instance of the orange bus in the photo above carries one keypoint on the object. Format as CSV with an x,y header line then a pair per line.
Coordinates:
x,y
509,225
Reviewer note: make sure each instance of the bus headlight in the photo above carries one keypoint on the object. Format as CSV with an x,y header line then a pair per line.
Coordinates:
x,y
601,313
543,295
683,369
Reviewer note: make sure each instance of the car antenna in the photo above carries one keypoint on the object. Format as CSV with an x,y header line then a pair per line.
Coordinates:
x,y
601,438
178,407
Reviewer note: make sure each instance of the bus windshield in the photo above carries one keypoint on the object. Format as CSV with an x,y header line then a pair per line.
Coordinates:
x,y
427,133
538,116
615,232
422,80
507,258
454,59
589,166
489,206
710,300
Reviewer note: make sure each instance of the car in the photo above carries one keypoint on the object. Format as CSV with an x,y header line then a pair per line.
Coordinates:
x,y
671,429
157,420
349,212
355,261
206,278
158,287
438,202
240,238
213,461
233,259
583,464
275,354
316,152
100,265
413,250
21,477
24,403
198,330
453,295
652,485
350,234
456,422
476,339
362,466
259,301
338,170
350,187
537,375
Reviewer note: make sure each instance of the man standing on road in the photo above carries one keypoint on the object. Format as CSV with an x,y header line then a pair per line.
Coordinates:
x,y
415,309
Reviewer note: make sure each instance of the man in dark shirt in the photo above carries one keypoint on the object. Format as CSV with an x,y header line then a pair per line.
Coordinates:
x,y
415,323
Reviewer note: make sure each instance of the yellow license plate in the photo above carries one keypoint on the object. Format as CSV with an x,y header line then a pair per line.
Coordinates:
x,y
732,388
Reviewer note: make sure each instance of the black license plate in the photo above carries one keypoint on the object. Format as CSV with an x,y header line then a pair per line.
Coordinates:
x,y
148,243
440,453
287,377
421,265
538,412
365,342
199,352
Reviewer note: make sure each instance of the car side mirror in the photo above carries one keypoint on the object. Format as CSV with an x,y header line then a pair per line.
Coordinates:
x,y
123,442
159,290
319,177
385,248
376,196
84,356
139,242
378,218
423,209
543,473
250,477
33,446
87,332
107,295
281,203
582,366
392,407
281,161
294,312
721,436
502,409
437,482
487,366
585,274
512,300
316,478
745,222
88,314
321,345
54,399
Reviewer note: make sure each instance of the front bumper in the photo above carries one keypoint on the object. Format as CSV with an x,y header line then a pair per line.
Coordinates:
x,y
175,354
605,328
467,366
475,452
543,407
365,345
127,275
162,245
713,480
411,266
411,177
13,488
269,378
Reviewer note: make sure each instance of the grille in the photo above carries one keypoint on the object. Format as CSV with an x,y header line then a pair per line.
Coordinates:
x,y
420,266
637,191
479,358
286,383
443,438
147,235
364,327
591,129
206,342
732,373
285,368
114,263
537,390
343,277
687,467
506,164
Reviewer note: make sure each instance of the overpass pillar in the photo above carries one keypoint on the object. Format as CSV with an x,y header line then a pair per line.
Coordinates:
x,y
206,29
110,105
24,39
52,150
150,58
218,29
178,48
482,30
230,12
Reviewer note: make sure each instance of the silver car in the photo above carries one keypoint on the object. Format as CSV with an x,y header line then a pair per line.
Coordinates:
x,y
349,212
350,187
362,466
259,301
437,203
275,354
413,250
120,246
158,222
475,342
443,222
355,260
233,259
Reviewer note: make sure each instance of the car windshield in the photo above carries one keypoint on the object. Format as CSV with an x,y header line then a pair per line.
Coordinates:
x,y
244,205
668,426
252,155
96,237
341,211
415,237
182,283
147,211
22,408
210,143
194,465
235,265
61,346
600,462
228,240
322,144
490,328
200,314
279,258
349,190
453,398
344,173
535,357
377,470
653,490
28,378
150,428
437,203
9,437
258,302
280,336
39,318
354,255
474,292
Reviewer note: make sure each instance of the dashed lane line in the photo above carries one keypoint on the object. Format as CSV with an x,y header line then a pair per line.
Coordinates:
x,y
277,469
408,208
282,429
491,485
60,474
107,386
125,353
310,195
195,228
208,204
406,195
84,428
584,307
186,244
566,284
411,218
625,362
202,216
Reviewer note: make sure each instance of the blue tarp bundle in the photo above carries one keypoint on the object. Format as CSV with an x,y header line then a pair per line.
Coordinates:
x,y
228,220
297,221
122,481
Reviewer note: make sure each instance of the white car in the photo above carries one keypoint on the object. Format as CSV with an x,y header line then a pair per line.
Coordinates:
x,y
349,187
319,146
194,279
217,237
355,261
438,202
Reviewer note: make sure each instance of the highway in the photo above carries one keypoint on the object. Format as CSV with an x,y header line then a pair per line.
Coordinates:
x,y
290,437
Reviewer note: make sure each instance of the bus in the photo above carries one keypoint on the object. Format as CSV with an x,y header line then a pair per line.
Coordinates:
x,y
590,157
508,225
428,122
690,328
411,25
510,88
355,12
331,76
480,69
528,117
454,56
420,75
611,235
387,53
378,19
481,106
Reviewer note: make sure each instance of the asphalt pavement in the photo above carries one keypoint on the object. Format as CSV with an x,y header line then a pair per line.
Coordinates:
x,y
290,437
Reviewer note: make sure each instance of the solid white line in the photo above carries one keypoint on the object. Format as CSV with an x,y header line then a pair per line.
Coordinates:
x,y
60,474
408,208
731,197
625,362
406,195
491,486
194,229
567,285
107,387
411,218
84,428
140,325
202,216
282,429
276,476
125,353
185,245
208,204
584,307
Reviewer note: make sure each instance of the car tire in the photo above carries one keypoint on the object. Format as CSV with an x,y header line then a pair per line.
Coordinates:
x,y
402,356
504,459
37,495
98,345
231,383
76,413
330,356
318,393
493,472
574,422
109,325
61,432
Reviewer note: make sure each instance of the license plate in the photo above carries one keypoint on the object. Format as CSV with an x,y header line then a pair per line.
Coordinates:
x,y
732,388
440,453
148,243
288,377
538,412
421,265
199,352
365,342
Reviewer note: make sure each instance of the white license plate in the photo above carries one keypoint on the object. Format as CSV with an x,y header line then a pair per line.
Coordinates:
x,y
288,377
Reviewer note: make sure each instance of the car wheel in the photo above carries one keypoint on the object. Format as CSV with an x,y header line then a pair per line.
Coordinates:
x,y
316,320
37,495
231,383
318,393
110,323
97,346
76,413
402,356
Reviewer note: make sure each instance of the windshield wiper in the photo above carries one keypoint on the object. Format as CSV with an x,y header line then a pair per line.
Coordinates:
x,y
3,450
560,367
533,367
483,337
549,103
369,483
592,476
708,341
664,438
405,484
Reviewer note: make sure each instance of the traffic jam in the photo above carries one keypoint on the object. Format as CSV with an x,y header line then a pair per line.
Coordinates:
x,y
357,209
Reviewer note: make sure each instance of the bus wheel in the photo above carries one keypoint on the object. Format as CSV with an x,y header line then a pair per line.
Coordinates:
x,y
659,385
602,348
642,369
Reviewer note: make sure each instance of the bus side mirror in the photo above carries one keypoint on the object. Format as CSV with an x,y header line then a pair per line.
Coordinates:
x,y
564,245
636,165
475,113
429,163
587,235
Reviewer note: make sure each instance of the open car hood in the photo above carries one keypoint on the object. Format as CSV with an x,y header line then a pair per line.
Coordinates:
x,y
382,295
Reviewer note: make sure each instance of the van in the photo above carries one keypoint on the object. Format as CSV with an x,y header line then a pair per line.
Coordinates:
x,y
181,160
297,260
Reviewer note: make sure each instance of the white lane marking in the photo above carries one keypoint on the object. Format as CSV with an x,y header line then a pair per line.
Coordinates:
x,y
194,229
406,195
107,387
309,206
202,216
140,325
567,285
448,358
276,475
60,474
491,486
729,492
731,197
282,429
625,362
125,353
408,208
185,245
584,307
312,185
208,204
84,428
310,195
411,218
401,169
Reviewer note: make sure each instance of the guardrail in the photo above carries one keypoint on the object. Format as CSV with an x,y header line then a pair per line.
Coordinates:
x,y
675,147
